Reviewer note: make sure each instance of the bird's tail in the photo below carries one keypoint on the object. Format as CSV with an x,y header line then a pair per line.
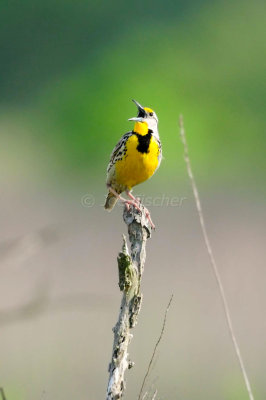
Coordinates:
x,y
110,201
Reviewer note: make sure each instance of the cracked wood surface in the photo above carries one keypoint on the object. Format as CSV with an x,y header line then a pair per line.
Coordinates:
x,y
130,268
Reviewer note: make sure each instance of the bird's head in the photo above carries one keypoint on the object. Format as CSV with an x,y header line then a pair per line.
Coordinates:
x,y
146,116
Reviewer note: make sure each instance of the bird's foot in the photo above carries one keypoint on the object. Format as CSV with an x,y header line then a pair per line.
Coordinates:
x,y
148,216
133,198
134,202
129,203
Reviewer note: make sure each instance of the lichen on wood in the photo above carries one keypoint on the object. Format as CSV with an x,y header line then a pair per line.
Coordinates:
x,y
130,270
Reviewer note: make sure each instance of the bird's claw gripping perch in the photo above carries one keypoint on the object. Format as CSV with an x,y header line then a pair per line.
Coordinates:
x,y
143,210
134,202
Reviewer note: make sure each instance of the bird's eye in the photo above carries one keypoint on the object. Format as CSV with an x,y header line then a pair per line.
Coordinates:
x,y
151,114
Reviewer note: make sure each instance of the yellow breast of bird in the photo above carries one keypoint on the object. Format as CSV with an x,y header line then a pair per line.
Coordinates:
x,y
139,163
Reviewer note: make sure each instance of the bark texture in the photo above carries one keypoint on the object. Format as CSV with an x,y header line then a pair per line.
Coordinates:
x,y
130,269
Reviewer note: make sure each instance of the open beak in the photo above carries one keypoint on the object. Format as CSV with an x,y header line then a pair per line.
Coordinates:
x,y
142,112
138,105
137,119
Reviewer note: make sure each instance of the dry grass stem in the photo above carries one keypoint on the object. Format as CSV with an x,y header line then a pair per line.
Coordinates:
x,y
212,260
2,393
155,349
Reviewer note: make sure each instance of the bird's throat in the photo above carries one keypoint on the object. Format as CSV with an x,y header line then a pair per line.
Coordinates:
x,y
141,128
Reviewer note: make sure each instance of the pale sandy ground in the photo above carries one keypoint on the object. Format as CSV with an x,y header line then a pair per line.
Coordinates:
x,y
63,256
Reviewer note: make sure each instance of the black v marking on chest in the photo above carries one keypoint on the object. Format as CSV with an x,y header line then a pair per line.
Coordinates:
x,y
144,141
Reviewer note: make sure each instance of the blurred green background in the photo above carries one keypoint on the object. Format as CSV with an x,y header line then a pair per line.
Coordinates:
x,y
68,72
69,69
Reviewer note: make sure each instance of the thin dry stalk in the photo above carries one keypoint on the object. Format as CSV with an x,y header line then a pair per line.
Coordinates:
x,y
155,394
2,393
212,259
154,351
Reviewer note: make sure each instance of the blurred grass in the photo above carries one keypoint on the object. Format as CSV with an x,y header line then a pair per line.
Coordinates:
x,y
76,66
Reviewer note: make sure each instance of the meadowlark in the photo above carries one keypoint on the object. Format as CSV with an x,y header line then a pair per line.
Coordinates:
x,y
134,159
